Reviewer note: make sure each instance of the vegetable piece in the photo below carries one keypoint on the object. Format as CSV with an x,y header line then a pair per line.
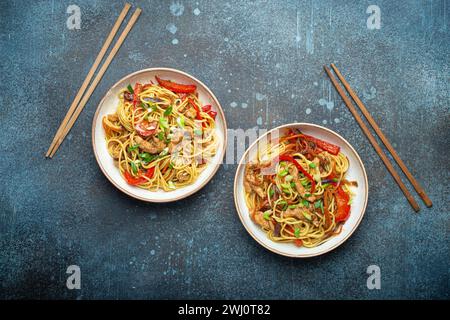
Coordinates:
x,y
318,204
331,148
267,214
130,89
176,87
168,111
297,233
146,128
206,108
171,185
132,148
283,172
285,157
343,208
312,165
212,114
161,135
141,177
298,242
271,192
307,215
164,123
134,167
180,122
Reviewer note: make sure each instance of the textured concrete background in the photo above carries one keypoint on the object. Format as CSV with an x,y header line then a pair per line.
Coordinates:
x,y
263,60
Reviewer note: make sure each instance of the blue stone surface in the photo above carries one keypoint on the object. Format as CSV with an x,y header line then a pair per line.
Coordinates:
x,y
263,60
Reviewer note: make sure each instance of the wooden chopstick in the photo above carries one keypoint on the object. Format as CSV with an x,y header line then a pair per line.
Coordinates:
x,y
384,139
89,76
372,140
97,79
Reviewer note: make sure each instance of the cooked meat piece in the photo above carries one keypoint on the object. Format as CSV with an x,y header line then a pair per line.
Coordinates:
x,y
153,146
259,219
294,213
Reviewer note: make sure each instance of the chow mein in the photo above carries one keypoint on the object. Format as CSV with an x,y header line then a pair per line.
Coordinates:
x,y
297,190
161,137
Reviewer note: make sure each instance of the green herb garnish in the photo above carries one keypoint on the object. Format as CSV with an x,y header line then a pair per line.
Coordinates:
x,y
271,192
297,233
134,167
312,165
161,135
318,204
180,121
130,88
292,206
147,157
168,111
307,215
282,173
267,214
132,148
164,123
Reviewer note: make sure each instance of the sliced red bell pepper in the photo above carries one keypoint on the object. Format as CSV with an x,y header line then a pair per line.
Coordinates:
x,y
212,114
140,179
326,146
329,147
285,157
146,128
343,208
198,116
176,87
206,108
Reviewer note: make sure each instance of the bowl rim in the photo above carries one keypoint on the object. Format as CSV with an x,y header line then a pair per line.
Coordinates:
x,y
240,214
216,165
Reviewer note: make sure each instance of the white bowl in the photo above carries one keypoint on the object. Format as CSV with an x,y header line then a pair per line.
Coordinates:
x,y
356,172
109,104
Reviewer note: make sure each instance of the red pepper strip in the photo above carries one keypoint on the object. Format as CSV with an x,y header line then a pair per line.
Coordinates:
x,y
137,91
176,87
206,108
212,114
139,180
329,147
285,157
343,208
198,116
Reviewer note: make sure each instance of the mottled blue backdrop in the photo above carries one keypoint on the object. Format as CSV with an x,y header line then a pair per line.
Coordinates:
x,y
263,60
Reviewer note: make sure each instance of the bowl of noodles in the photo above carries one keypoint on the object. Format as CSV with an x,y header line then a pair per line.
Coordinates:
x,y
159,135
300,190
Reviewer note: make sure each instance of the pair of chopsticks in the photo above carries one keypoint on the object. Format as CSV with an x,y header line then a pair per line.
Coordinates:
x,y
382,137
80,101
